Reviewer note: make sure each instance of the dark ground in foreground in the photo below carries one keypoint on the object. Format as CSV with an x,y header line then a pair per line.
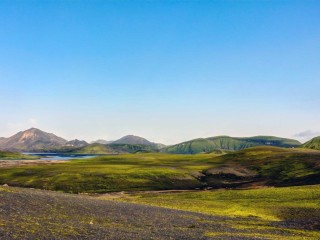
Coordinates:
x,y
39,214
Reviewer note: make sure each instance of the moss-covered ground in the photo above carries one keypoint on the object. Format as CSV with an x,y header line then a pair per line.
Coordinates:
x,y
158,171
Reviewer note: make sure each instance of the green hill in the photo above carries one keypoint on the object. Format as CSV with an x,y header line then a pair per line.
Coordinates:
x,y
270,166
205,145
314,143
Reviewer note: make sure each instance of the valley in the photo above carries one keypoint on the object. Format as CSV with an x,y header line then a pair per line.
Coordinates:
x,y
238,189
260,166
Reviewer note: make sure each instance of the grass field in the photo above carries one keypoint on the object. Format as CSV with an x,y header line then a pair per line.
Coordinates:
x,y
113,173
158,171
266,204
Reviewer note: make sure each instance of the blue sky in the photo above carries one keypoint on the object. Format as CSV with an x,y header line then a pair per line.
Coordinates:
x,y
166,70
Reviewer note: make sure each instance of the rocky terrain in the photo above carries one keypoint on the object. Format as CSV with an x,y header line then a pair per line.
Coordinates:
x,y
39,214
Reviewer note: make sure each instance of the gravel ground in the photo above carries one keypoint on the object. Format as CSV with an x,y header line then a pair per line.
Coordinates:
x,y
40,214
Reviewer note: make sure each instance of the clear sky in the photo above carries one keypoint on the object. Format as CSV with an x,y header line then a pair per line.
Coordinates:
x,y
166,70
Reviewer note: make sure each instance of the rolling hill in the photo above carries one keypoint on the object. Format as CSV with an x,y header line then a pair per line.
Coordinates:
x,y
314,143
266,166
206,145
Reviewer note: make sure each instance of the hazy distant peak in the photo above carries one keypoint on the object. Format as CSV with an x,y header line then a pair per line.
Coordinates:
x,y
132,139
76,143
101,141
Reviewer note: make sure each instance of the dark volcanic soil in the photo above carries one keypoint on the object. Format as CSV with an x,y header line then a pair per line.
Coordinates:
x,y
39,214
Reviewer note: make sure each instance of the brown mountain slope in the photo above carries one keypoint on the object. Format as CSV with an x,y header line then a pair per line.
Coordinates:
x,y
32,140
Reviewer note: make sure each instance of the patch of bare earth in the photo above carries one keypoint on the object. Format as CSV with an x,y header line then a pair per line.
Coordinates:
x,y
16,163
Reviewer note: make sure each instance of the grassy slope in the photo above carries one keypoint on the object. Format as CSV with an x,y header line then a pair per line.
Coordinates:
x,y
277,166
131,172
298,204
313,144
4,155
292,211
228,143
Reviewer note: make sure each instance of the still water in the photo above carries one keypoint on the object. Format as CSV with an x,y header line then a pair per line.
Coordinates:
x,y
60,156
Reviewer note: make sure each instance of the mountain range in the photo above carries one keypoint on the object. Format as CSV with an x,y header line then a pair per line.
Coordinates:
x,y
36,140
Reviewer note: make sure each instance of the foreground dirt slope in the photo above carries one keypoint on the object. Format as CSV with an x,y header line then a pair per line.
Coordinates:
x,y
39,214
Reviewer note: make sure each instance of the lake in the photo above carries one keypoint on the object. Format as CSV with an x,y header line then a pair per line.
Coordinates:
x,y
61,156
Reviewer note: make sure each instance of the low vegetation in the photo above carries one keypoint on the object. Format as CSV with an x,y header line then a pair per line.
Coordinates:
x,y
301,203
35,214
267,212
262,166
113,173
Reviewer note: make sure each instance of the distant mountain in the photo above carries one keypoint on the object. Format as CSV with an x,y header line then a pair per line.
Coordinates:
x,y
159,145
97,148
76,143
131,139
32,140
135,140
314,143
205,145
101,141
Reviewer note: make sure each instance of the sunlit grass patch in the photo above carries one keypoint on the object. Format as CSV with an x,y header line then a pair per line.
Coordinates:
x,y
269,204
